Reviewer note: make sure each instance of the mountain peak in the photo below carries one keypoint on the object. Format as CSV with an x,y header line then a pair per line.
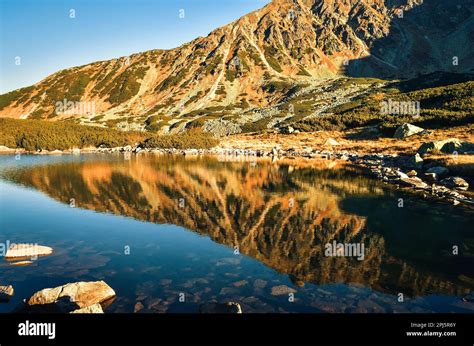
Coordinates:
x,y
257,60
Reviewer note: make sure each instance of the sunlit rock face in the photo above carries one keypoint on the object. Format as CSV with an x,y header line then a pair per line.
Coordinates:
x,y
261,58
282,215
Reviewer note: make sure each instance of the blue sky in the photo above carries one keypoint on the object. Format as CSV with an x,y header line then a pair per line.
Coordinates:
x,y
45,38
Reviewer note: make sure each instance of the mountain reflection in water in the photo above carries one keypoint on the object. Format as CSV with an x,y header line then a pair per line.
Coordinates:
x,y
281,214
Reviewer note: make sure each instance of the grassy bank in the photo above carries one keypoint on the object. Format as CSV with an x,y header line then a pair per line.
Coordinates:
x,y
188,140
36,135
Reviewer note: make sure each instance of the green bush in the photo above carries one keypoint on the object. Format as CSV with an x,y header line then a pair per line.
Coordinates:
x,y
127,85
257,126
44,135
187,140
8,98
444,106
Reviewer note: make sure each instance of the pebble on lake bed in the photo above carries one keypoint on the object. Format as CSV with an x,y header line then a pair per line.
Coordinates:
x,y
259,284
240,283
282,290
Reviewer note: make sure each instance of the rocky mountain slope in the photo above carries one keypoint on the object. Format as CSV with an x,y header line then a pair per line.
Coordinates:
x,y
287,48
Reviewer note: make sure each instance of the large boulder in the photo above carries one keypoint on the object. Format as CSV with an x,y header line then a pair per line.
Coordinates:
x,y
407,130
71,296
220,308
282,290
447,146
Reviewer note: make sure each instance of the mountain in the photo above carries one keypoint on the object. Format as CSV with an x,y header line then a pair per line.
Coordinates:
x,y
286,49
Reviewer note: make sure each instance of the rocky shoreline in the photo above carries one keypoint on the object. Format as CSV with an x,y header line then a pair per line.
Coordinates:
x,y
80,297
404,171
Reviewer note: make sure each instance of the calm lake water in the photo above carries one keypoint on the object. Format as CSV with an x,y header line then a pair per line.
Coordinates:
x,y
159,228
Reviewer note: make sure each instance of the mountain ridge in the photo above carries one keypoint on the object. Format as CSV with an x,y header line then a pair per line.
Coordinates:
x,y
254,62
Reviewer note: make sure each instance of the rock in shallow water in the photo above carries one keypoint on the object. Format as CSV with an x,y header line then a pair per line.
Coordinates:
x,y
282,290
138,306
218,308
259,284
240,283
71,296
17,251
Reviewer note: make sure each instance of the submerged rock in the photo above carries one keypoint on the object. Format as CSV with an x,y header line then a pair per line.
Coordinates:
x,y
18,251
220,308
6,292
282,290
407,130
240,283
93,309
138,306
71,296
